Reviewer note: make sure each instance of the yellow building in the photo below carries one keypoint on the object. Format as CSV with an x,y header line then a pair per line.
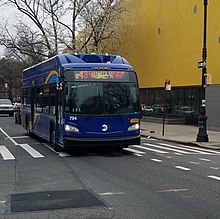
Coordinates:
x,y
164,40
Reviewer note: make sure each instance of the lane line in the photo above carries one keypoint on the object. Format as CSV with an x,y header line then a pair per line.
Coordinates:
x,y
174,190
6,154
138,155
150,149
31,150
214,177
214,168
46,145
148,138
134,151
182,168
111,193
17,137
10,138
204,159
156,160
192,162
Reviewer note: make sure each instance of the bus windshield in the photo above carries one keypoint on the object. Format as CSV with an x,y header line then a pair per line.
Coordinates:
x,y
101,98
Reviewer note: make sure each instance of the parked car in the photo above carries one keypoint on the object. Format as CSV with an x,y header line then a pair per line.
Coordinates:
x,y
17,108
184,110
6,107
146,109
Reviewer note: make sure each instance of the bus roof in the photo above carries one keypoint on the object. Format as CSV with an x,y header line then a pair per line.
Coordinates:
x,y
38,73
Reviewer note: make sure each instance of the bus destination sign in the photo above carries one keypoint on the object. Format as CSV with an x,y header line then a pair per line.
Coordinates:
x,y
102,76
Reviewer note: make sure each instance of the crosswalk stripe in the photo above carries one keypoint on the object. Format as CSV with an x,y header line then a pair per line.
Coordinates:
x,y
31,150
186,148
134,151
156,160
6,154
183,168
166,148
214,177
150,149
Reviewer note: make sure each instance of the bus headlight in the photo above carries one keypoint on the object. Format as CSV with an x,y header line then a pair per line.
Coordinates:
x,y
70,128
134,127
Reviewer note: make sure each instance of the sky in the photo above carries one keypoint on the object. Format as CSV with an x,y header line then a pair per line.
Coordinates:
x,y
8,15
11,14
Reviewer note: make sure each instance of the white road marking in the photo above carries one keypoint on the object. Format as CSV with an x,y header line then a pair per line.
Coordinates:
x,y
184,147
204,159
166,148
138,155
214,177
49,147
178,154
156,160
31,150
25,136
134,151
111,193
202,149
182,168
214,168
174,190
150,149
63,154
192,162
10,138
6,154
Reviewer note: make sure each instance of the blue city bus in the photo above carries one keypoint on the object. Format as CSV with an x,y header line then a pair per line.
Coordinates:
x,y
82,100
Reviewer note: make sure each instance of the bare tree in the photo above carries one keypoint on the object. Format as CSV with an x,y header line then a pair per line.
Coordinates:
x,y
23,43
59,25
10,75
101,18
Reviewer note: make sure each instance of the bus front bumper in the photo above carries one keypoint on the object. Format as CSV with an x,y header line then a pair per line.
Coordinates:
x,y
111,142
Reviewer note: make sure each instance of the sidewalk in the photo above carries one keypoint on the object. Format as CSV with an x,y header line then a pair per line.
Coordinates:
x,y
184,134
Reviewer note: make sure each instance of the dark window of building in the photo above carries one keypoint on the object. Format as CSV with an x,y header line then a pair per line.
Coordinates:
x,y
181,102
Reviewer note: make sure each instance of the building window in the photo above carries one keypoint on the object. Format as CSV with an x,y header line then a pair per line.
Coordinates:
x,y
195,9
181,102
158,30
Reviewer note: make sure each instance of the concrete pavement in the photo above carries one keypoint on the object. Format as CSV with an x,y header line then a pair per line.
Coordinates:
x,y
184,134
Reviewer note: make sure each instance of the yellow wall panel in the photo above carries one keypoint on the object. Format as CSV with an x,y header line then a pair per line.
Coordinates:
x,y
164,40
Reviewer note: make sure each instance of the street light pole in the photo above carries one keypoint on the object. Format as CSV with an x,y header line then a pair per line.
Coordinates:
x,y
202,134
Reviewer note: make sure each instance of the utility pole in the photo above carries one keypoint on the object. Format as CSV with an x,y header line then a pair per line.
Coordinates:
x,y
202,134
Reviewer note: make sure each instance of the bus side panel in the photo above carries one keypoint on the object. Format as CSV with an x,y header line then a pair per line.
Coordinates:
x,y
41,125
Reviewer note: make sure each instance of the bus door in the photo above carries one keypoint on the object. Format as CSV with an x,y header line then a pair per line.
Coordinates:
x,y
41,112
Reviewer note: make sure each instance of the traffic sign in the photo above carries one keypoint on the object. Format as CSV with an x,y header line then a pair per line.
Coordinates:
x,y
202,64
167,85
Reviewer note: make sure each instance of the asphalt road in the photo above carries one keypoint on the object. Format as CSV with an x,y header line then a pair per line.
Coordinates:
x,y
154,180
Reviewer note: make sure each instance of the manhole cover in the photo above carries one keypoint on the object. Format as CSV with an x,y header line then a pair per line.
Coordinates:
x,y
39,201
